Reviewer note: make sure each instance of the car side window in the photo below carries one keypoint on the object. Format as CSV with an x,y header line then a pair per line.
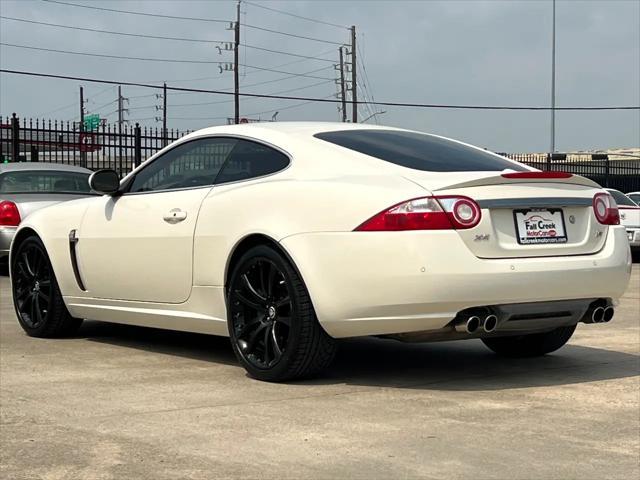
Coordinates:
x,y
189,165
250,160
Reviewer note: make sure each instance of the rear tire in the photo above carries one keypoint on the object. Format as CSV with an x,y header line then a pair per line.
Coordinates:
x,y
36,296
532,345
272,325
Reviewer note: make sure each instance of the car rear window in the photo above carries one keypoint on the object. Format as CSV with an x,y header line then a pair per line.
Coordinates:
x,y
39,181
418,151
622,199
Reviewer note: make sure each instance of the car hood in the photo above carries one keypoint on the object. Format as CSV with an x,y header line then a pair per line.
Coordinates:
x,y
30,202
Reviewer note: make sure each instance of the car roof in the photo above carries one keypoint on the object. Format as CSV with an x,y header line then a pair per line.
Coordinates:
x,y
31,166
305,128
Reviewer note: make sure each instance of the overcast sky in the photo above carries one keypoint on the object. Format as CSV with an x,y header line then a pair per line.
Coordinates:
x,y
437,52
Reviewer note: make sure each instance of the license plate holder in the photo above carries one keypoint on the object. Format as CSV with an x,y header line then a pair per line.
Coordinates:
x,y
540,225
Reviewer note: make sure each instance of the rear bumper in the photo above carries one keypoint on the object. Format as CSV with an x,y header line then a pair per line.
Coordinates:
x,y
6,236
372,283
634,237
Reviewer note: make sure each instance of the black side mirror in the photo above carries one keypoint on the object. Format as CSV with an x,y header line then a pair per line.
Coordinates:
x,y
105,182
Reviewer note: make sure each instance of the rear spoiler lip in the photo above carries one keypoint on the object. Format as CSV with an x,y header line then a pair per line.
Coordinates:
x,y
499,179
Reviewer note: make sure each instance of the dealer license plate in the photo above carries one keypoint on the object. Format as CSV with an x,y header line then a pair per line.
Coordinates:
x,y
540,225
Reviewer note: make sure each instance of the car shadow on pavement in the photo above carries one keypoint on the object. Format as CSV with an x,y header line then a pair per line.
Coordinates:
x,y
462,365
469,366
195,346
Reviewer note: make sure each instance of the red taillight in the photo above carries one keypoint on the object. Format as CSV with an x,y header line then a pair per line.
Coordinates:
x,y
605,209
427,213
538,175
9,214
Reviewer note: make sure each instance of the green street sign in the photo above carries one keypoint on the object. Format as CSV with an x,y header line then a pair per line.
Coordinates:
x,y
91,122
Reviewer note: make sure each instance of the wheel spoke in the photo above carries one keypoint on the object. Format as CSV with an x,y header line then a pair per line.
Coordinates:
x,y
246,328
271,279
267,342
283,301
45,283
256,296
249,303
25,264
43,296
37,262
284,320
262,273
254,338
36,302
32,308
276,348
21,293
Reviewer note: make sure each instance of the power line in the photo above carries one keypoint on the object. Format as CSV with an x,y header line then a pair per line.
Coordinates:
x,y
159,37
288,53
216,20
102,55
229,101
295,16
255,27
312,99
295,105
130,12
144,59
275,80
110,32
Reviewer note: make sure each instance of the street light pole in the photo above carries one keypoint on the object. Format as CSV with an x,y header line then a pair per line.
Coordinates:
x,y
553,80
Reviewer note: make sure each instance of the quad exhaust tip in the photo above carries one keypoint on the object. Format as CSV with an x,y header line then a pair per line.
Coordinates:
x,y
598,315
490,323
608,314
471,325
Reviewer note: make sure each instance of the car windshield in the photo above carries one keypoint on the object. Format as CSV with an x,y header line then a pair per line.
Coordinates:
x,y
44,181
635,197
419,151
622,199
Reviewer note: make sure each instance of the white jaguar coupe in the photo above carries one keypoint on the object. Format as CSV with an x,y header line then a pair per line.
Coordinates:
x,y
286,236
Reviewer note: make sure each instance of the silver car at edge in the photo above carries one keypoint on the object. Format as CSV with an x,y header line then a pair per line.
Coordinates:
x,y
27,187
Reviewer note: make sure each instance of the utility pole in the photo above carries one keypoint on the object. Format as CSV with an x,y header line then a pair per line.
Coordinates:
x,y
553,80
354,85
83,154
164,115
236,69
121,111
81,109
342,90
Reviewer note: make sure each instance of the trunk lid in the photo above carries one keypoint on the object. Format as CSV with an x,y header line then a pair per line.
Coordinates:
x,y
515,210
30,202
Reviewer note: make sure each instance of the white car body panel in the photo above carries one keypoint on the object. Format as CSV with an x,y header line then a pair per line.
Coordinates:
x,y
139,269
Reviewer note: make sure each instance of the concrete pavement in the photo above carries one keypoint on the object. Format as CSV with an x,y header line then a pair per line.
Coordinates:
x,y
119,402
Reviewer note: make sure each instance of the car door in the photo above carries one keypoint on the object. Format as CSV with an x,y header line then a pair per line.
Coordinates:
x,y
139,246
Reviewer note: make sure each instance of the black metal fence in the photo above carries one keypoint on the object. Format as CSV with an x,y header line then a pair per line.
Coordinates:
x,y
619,171
123,148
109,146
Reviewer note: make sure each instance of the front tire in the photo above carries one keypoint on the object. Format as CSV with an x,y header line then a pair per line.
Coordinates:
x,y
272,325
532,345
36,295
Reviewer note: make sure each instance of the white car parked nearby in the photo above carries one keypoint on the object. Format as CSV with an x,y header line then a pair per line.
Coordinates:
x,y
286,236
629,216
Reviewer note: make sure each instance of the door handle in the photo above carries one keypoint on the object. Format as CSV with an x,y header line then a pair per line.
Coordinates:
x,y
174,215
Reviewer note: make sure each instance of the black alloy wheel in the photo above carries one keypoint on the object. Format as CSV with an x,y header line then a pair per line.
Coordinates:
x,y
261,309
272,325
36,296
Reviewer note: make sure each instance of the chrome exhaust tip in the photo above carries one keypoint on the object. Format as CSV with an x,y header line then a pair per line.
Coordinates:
x,y
473,324
490,323
597,315
608,314
470,326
